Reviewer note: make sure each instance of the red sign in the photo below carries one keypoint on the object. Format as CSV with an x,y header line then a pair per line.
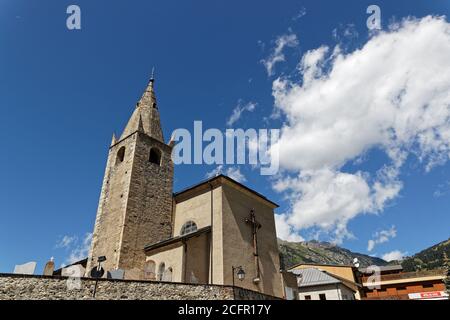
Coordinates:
x,y
427,295
431,294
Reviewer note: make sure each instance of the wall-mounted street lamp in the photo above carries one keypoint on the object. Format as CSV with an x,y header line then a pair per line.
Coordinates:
x,y
240,274
239,271
98,272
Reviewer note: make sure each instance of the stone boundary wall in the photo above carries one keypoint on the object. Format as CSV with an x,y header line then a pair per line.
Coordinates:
x,y
35,287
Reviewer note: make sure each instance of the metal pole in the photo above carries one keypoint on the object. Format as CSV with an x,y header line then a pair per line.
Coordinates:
x,y
96,280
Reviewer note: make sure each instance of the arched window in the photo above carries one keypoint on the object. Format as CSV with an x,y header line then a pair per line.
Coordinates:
x,y
155,156
194,279
161,269
167,275
188,227
149,270
120,155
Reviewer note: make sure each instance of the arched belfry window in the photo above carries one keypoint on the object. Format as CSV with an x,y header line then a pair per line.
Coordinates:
x,y
120,155
188,227
161,270
155,156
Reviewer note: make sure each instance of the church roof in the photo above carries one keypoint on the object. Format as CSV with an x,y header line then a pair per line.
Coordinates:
x,y
173,240
218,179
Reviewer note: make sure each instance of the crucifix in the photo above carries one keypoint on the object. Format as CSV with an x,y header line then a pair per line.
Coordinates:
x,y
255,226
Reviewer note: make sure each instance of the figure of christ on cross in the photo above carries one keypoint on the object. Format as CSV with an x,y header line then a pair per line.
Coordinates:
x,y
255,226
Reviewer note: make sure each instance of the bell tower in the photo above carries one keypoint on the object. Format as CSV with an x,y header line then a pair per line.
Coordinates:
x,y
135,206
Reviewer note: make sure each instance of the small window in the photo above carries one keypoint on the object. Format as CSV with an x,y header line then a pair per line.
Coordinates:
x,y
307,297
188,227
428,285
322,296
149,270
155,156
120,155
161,270
167,276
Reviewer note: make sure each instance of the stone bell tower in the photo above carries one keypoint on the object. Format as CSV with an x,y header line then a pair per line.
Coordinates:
x,y
135,206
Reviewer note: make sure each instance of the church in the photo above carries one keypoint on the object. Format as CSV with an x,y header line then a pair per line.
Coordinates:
x,y
217,231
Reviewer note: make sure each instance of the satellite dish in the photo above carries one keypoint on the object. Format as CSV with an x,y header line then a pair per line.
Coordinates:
x,y
356,262
97,273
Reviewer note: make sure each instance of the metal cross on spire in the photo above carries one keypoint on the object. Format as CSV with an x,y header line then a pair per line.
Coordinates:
x,y
153,74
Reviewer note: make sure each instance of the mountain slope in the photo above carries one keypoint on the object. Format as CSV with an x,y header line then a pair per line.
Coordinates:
x,y
430,258
321,253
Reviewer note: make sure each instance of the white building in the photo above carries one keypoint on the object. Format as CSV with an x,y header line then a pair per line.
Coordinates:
x,y
314,284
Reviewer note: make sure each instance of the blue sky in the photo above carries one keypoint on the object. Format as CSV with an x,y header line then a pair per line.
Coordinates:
x,y
63,93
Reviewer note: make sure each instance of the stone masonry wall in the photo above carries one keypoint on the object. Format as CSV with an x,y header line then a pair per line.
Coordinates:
x,y
25,287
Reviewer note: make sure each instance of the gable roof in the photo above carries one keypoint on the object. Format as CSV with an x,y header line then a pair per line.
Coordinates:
x,y
314,277
219,179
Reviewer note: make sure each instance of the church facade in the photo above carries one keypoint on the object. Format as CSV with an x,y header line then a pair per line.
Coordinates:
x,y
202,234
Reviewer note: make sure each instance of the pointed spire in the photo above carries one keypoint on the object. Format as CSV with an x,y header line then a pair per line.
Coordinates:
x,y
145,117
148,99
114,139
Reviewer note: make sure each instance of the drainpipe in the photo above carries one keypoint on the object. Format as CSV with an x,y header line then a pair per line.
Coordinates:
x,y
211,247
184,261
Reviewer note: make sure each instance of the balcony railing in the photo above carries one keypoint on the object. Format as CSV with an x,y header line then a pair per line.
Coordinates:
x,y
406,275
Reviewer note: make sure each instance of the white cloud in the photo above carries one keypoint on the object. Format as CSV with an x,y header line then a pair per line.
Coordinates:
x,y
238,110
215,172
393,94
236,174
442,189
395,255
286,40
370,245
345,33
232,172
310,65
79,249
284,230
301,13
328,199
66,241
381,237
